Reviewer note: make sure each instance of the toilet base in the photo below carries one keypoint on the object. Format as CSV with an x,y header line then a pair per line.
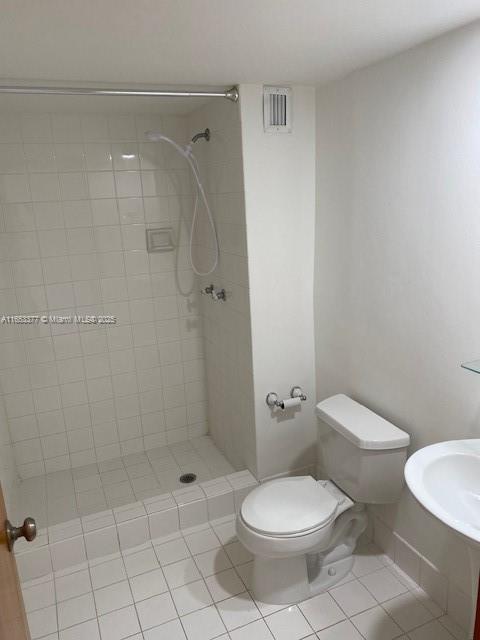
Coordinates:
x,y
292,579
286,581
280,581
331,574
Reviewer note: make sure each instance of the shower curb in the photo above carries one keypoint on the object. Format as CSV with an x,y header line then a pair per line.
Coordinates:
x,y
72,543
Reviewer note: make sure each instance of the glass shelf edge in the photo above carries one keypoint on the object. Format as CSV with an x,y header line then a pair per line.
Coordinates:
x,y
471,366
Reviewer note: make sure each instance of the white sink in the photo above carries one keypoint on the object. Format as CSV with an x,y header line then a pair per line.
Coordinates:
x,y
445,479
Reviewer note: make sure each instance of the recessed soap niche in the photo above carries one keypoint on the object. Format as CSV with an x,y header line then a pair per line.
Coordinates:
x,y
160,239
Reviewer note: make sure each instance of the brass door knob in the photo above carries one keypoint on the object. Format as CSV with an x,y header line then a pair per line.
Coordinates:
x,y
28,531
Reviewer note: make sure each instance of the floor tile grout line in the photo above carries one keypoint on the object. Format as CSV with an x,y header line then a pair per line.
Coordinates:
x,y
131,592
416,627
306,619
241,626
247,624
208,528
170,588
447,629
176,609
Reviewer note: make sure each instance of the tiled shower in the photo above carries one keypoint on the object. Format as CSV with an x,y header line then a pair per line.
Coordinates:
x,y
227,327
99,416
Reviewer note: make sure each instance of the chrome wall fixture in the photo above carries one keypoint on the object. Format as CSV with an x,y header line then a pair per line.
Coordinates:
x,y
203,134
229,94
296,397
217,295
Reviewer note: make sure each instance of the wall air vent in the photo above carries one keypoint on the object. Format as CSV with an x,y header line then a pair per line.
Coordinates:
x,y
277,109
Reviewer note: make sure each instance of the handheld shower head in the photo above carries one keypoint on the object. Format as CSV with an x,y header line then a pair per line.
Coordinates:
x,y
186,152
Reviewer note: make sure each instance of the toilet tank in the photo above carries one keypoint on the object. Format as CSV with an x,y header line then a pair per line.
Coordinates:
x,y
360,451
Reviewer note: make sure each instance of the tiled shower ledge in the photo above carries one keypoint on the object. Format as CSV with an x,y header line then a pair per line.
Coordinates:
x,y
73,493
195,584
71,543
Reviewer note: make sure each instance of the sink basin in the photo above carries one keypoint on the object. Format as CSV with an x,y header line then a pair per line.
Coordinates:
x,y
445,479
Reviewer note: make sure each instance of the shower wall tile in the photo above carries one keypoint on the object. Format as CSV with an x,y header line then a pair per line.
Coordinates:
x,y
226,326
8,468
77,192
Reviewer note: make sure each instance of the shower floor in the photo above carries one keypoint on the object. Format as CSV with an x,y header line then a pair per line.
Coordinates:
x,y
66,495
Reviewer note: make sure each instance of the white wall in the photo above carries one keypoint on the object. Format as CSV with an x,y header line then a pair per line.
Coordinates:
x,y
77,191
397,296
226,326
279,178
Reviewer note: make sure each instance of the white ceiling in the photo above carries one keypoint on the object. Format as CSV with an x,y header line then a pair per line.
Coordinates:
x,y
213,42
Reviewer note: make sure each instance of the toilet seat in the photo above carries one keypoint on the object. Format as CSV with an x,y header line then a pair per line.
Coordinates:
x,y
288,507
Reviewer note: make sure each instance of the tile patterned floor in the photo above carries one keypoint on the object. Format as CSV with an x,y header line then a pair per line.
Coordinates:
x,y
195,586
66,495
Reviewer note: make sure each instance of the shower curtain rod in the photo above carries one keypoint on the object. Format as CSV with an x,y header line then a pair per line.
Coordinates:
x,y
230,94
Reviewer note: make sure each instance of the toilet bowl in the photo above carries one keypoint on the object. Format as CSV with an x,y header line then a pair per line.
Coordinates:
x,y
302,532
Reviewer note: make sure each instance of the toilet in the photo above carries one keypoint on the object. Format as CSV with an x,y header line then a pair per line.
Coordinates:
x,y
302,532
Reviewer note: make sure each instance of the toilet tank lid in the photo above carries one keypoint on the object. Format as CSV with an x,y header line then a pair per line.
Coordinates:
x,y
364,428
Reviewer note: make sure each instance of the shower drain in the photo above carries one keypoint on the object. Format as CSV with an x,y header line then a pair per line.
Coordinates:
x,y
187,478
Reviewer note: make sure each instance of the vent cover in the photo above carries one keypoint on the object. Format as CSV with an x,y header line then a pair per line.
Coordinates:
x,y
277,109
